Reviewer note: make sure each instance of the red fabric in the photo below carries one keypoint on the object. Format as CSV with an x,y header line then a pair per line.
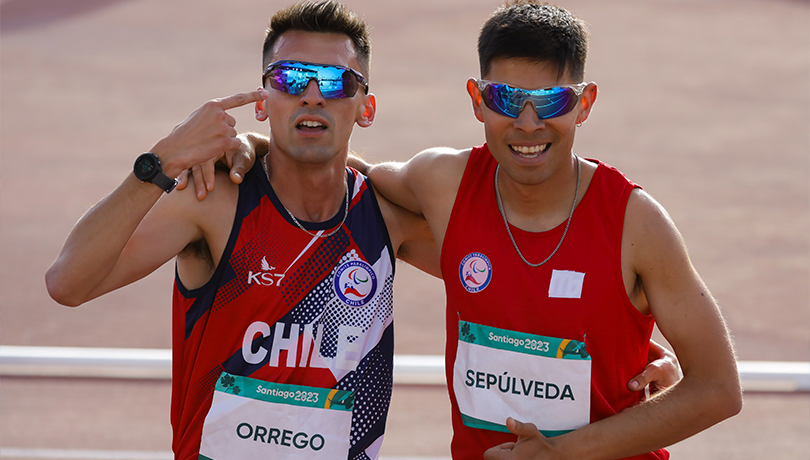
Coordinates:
x,y
516,298
209,323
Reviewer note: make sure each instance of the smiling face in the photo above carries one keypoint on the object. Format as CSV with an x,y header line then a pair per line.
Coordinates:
x,y
309,128
530,150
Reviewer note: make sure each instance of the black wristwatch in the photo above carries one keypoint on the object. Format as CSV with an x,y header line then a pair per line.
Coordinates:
x,y
147,169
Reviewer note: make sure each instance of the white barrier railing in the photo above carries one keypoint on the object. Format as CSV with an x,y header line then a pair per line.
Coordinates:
x,y
142,363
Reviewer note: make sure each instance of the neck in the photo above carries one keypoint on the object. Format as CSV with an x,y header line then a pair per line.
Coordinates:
x,y
545,205
311,192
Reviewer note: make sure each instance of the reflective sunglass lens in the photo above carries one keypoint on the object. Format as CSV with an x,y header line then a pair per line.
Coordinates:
x,y
288,81
509,101
557,104
333,82
496,98
337,83
350,84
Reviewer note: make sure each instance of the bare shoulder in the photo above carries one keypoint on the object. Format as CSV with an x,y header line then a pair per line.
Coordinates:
x,y
424,182
655,257
442,163
435,175
215,214
185,205
648,223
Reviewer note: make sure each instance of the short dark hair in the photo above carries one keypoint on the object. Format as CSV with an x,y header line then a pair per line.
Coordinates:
x,y
327,16
537,31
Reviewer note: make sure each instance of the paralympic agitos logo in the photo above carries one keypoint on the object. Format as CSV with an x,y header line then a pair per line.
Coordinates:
x,y
355,283
475,272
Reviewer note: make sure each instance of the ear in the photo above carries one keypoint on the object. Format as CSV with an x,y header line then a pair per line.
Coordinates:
x,y
475,96
369,110
261,110
586,102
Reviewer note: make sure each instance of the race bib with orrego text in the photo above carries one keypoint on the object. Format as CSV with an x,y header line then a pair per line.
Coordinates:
x,y
253,419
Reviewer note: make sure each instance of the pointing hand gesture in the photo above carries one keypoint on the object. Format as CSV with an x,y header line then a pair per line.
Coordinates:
x,y
207,134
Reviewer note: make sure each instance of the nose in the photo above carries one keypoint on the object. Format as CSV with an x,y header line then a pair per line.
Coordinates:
x,y
312,94
528,120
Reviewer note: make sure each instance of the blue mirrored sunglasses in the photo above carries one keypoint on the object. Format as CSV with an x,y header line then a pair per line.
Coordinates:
x,y
334,82
549,102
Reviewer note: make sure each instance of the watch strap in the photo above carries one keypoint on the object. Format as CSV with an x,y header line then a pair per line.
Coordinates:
x,y
165,182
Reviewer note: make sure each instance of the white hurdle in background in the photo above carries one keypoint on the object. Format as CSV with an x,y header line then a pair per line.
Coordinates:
x,y
141,363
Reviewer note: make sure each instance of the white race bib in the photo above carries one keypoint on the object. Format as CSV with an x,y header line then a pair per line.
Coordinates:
x,y
500,373
253,419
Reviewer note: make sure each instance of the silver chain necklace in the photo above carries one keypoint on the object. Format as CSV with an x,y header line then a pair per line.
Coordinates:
x,y
506,222
316,235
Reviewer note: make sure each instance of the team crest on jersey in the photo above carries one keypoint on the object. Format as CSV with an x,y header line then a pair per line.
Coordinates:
x,y
355,283
475,272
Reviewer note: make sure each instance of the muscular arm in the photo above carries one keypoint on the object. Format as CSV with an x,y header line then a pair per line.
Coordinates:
x,y
428,182
127,235
121,239
690,320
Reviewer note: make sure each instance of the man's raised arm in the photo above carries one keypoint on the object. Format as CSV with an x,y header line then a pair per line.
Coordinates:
x,y
115,243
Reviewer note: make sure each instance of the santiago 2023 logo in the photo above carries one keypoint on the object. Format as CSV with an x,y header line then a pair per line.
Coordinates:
x,y
355,283
475,272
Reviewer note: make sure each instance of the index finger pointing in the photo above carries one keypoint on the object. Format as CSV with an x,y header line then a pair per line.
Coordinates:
x,y
240,99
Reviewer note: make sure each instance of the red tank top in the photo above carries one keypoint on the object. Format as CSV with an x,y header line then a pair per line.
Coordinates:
x,y
506,293
280,299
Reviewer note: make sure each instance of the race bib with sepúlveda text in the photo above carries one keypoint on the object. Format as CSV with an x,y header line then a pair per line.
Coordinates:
x,y
252,419
500,373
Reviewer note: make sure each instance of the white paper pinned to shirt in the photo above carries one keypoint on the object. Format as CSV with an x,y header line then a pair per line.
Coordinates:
x,y
566,284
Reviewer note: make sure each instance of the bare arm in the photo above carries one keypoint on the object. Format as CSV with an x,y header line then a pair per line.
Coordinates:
x,y
396,181
411,237
691,321
123,238
426,184
126,236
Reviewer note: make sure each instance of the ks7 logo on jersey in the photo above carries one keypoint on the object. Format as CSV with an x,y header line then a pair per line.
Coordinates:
x,y
265,277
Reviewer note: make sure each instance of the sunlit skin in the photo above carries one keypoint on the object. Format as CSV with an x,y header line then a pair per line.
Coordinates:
x,y
533,180
315,154
538,177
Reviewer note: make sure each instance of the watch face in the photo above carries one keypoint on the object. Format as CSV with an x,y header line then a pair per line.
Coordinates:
x,y
146,167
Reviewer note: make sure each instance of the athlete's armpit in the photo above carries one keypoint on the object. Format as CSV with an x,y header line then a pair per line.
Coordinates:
x,y
411,237
421,250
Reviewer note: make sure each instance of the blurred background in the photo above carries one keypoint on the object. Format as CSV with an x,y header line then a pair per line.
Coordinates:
x,y
705,103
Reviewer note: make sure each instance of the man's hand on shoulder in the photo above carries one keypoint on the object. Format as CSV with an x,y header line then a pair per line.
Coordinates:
x,y
239,161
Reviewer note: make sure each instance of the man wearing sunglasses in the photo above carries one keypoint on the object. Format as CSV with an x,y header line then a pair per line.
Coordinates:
x,y
282,306
579,260
556,268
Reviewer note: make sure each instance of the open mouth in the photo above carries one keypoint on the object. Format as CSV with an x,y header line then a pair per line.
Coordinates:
x,y
530,151
311,126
